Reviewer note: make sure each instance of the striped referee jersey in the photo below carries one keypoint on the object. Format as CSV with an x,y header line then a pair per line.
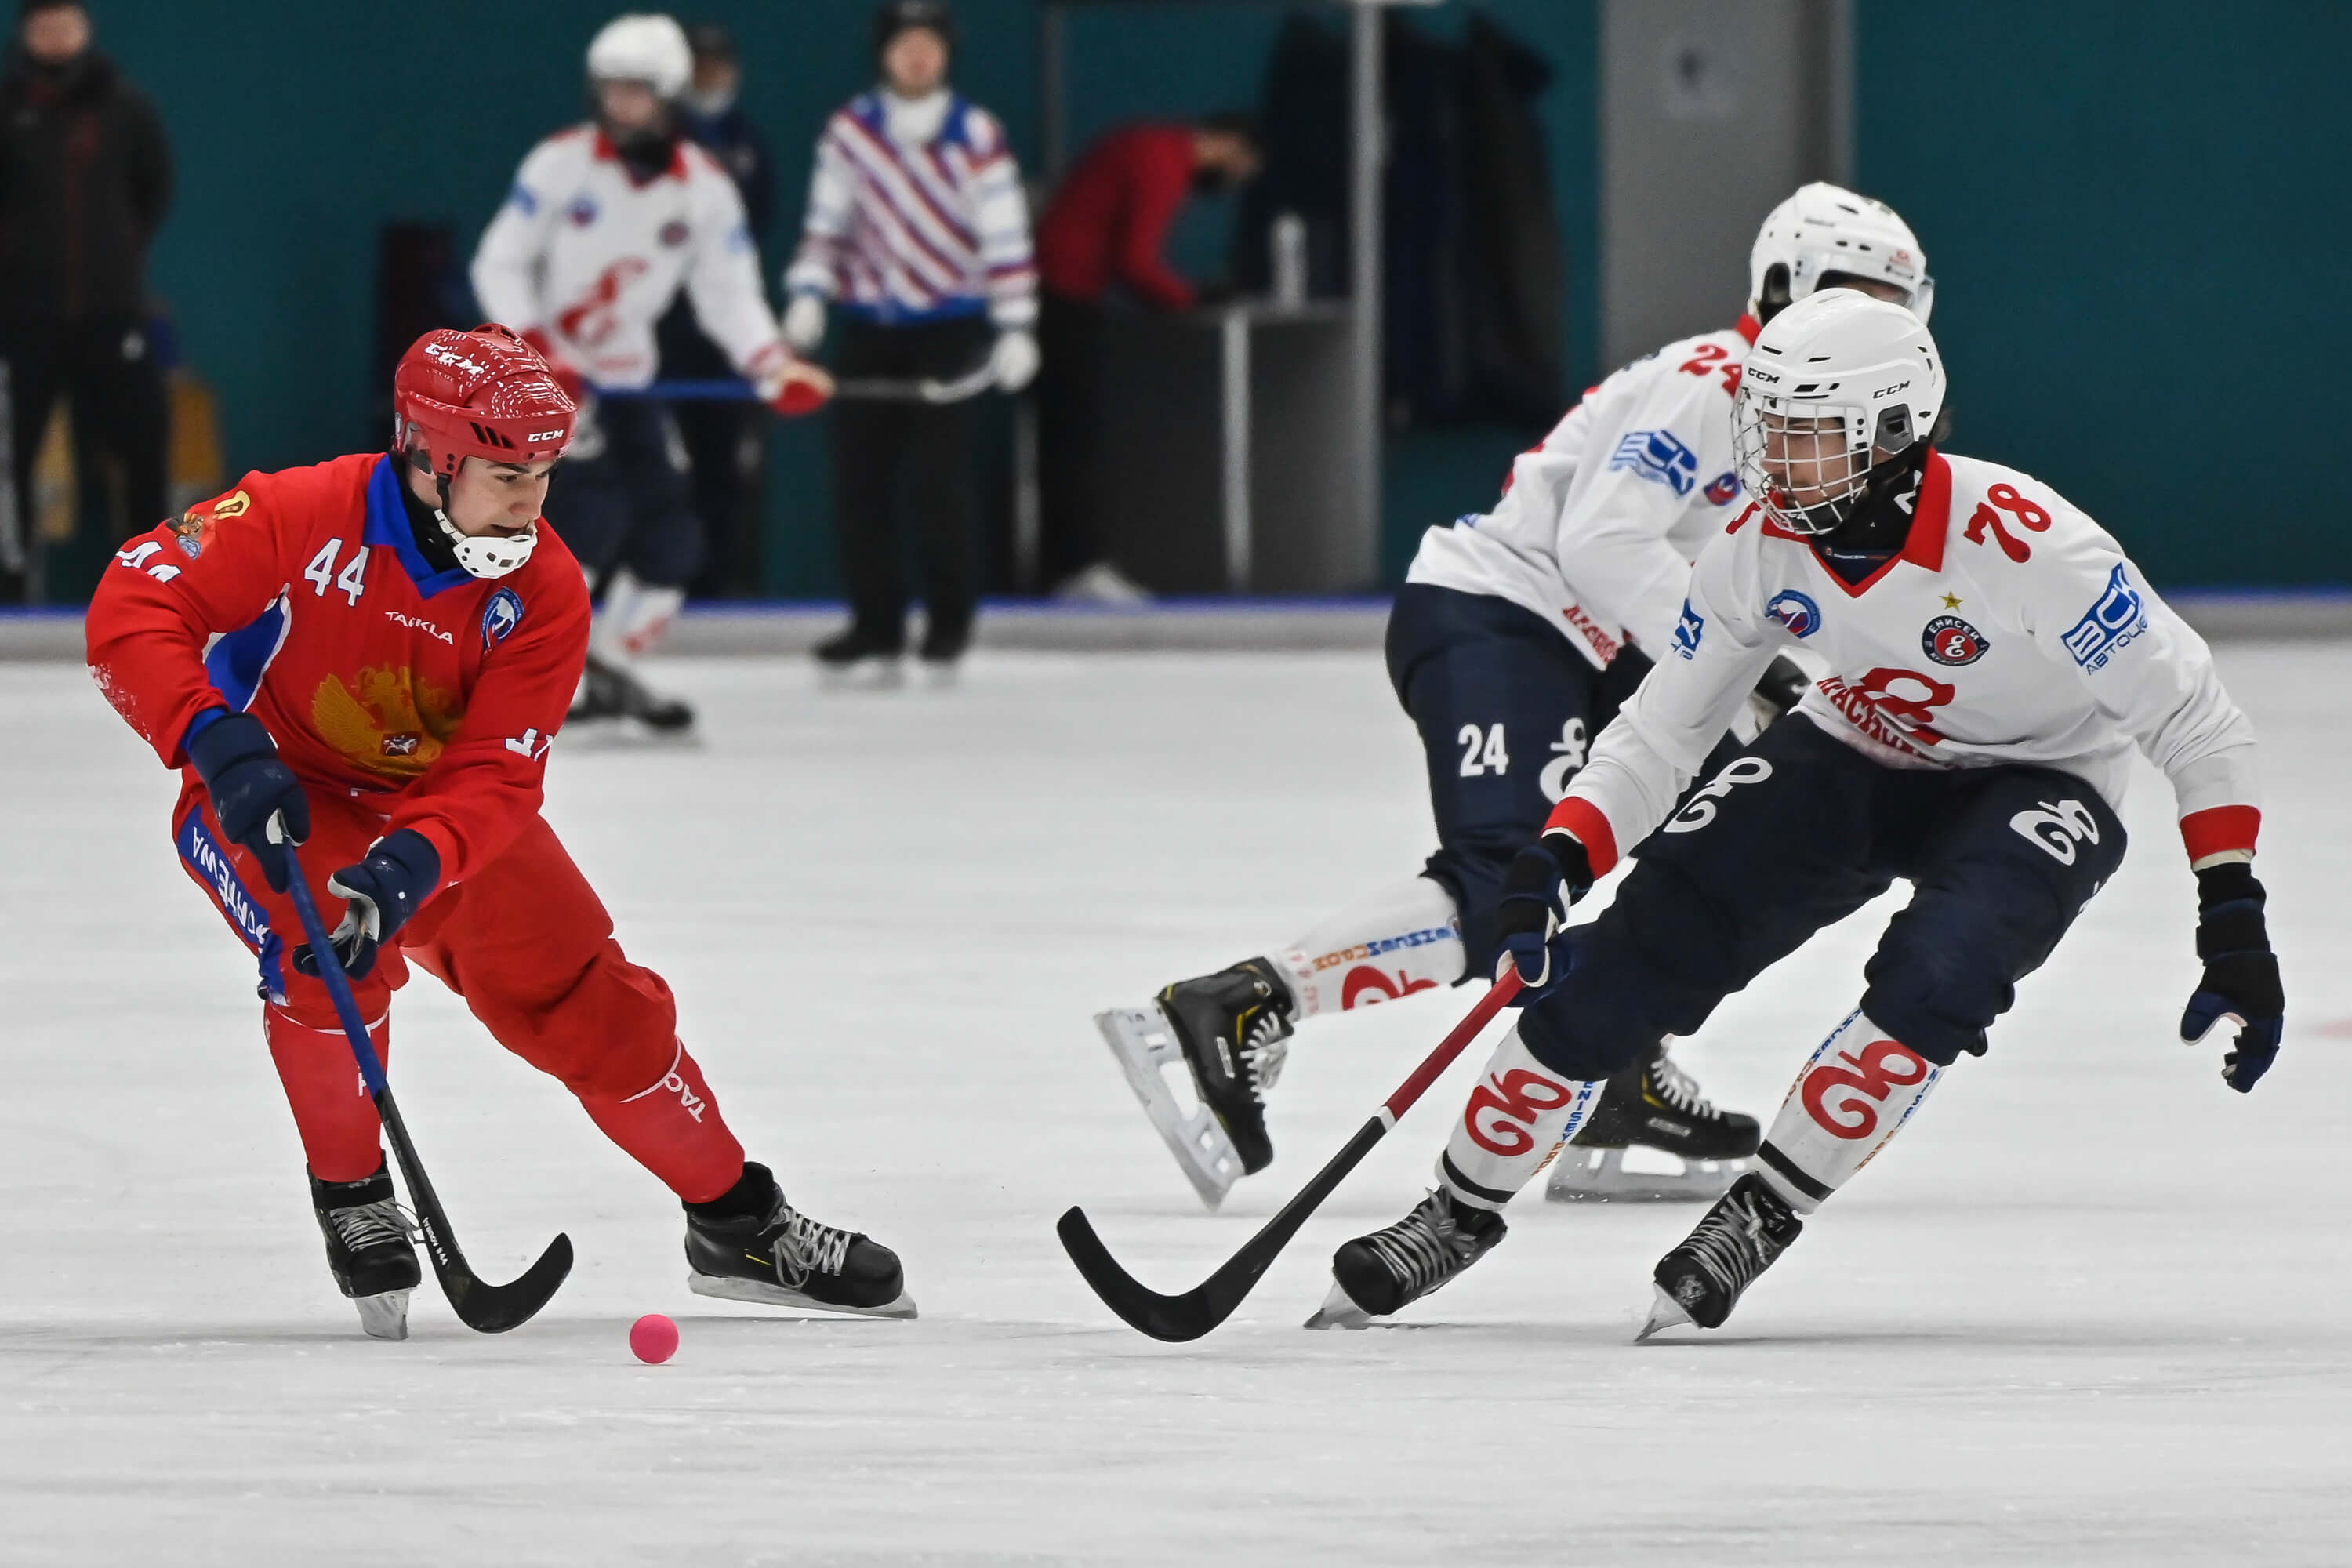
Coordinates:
x,y
904,235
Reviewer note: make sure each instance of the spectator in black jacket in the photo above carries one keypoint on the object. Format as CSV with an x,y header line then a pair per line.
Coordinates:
x,y
85,178
725,442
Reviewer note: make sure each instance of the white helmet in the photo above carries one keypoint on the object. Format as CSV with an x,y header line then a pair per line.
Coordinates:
x,y
1836,383
646,47
1826,228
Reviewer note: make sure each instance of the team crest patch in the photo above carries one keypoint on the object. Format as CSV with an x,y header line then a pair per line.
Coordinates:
x,y
1951,640
401,745
1723,490
1795,612
501,615
582,212
189,529
674,233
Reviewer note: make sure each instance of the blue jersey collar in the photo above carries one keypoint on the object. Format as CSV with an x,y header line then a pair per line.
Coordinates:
x,y
387,524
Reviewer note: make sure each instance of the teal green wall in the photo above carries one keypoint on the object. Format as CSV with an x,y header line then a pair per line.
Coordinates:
x,y
2139,218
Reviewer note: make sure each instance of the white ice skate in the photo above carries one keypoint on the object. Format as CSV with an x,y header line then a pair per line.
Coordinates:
x,y
1154,1063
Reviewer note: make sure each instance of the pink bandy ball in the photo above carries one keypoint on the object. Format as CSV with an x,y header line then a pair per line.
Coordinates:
x,y
654,1338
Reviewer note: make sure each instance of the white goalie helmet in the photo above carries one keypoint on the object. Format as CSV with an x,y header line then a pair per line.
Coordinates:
x,y
646,47
1836,383
1827,229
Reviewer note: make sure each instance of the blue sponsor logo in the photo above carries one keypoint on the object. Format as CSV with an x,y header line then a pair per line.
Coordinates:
x,y
1795,612
1688,630
1723,490
1658,455
213,869
2110,626
501,615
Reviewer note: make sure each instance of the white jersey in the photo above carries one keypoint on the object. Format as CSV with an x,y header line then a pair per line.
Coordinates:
x,y
1599,521
591,255
2010,629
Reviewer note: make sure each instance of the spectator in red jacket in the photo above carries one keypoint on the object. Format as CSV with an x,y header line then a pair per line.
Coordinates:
x,y
1103,232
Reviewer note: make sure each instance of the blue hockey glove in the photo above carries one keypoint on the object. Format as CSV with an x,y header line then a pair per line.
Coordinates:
x,y
250,786
1542,880
391,884
2241,973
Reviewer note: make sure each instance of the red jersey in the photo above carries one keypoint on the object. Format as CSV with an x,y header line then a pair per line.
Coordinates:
x,y
1109,219
301,598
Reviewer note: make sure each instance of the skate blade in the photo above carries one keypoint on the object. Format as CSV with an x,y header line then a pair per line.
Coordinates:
x,y
941,675
384,1316
1144,1042
728,1288
1598,1176
1339,1310
1665,1313
877,674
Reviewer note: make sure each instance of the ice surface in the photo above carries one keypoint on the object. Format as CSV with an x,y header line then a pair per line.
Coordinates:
x,y
2091,1309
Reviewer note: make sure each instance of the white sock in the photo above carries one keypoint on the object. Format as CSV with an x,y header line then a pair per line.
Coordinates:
x,y
1851,1096
1402,939
634,619
1519,1116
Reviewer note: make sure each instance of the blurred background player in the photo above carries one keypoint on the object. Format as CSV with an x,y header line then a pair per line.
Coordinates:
x,y
372,656
1516,637
1104,233
1993,659
725,440
85,179
918,228
606,221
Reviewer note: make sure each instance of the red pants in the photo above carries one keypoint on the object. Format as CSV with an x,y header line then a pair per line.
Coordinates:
x,y
525,942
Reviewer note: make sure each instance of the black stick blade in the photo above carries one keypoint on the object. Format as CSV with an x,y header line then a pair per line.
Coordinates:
x,y
1175,1319
490,1308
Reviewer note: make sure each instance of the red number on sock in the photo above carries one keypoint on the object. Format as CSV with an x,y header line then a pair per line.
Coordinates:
x,y
1871,1075
1520,1095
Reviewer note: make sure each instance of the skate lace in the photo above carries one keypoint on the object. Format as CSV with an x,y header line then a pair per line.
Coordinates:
x,y
1265,1048
806,1246
1679,1089
363,1226
1422,1251
1730,1243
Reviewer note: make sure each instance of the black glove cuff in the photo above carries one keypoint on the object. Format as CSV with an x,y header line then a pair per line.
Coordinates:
x,y
2232,881
1575,861
232,738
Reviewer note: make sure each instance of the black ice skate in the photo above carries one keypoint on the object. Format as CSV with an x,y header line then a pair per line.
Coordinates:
x,y
1379,1275
1229,1029
752,1246
1655,1105
368,1249
609,692
858,654
1701,1280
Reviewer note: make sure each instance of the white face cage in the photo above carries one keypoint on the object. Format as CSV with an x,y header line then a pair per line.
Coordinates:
x,y
1806,459
489,555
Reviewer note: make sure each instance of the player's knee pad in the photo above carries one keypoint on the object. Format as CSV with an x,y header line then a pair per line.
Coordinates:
x,y
1936,991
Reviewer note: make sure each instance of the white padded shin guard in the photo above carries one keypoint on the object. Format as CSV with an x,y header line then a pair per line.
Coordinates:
x,y
1402,939
1517,1117
1856,1093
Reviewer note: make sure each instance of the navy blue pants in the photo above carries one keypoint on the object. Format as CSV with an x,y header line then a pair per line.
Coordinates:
x,y
1506,712
631,504
1798,832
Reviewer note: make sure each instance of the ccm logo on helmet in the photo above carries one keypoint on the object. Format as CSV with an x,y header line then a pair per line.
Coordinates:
x,y
538,435
1889,390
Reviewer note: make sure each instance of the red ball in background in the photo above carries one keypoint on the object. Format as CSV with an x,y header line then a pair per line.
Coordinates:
x,y
654,1338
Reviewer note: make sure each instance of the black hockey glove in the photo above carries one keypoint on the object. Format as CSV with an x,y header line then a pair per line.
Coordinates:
x,y
399,874
1782,685
250,786
2241,973
1542,880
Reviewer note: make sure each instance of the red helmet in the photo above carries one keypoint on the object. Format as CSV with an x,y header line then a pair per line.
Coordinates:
x,y
483,394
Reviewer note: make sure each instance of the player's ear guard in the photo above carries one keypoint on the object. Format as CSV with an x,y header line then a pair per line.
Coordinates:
x,y
1542,880
2242,975
255,797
